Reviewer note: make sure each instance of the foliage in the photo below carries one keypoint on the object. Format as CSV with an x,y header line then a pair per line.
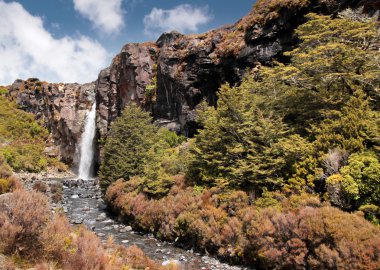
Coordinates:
x,y
23,215
355,127
271,157
278,232
359,180
136,147
336,58
165,159
150,91
126,149
239,154
22,139
311,238
31,235
3,91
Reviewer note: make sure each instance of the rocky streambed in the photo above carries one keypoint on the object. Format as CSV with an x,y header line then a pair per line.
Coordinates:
x,y
82,201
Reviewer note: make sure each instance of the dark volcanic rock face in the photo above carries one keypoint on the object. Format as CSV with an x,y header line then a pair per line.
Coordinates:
x,y
191,68
124,81
62,109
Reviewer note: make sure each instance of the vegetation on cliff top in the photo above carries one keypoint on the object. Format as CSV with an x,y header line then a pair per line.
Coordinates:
x,y
22,139
257,183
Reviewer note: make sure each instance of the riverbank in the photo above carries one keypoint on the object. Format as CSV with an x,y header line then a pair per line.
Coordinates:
x,y
82,202
33,238
85,205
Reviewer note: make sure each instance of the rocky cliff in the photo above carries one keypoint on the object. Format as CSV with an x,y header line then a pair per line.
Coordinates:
x,y
61,107
173,75
186,69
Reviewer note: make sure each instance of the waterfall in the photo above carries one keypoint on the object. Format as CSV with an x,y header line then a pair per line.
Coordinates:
x,y
87,146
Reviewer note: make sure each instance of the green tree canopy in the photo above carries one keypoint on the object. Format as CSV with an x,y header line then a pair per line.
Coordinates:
x,y
335,58
233,149
127,146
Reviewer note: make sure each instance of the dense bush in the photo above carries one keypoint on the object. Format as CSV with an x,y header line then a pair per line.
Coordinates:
x,y
298,232
22,139
31,235
23,217
257,181
127,145
136,147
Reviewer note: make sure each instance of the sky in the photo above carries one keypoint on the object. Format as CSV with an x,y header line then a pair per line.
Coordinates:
x,y
72,40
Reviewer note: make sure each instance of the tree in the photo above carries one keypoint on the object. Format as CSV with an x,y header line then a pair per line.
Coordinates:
x,y
127,146
335,58
233,148
355,127
163,162
358,182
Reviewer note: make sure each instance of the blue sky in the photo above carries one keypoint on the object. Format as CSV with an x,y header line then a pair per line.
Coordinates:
x,y
71,40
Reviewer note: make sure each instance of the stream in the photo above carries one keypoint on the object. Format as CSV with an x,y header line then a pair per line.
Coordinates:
x,y
82,201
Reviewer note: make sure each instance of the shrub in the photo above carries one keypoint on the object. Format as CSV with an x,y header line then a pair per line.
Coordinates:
x,y
5,169
135,258
311,238
84,251
24,214
55,238
127,145
4,186
40,187
295,232
22,139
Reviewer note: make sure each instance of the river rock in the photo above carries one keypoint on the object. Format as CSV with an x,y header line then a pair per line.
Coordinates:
x,y
77,220
171,263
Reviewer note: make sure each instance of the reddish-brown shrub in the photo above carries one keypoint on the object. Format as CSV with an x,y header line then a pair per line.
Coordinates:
x,y
40,187
84,250
24,214
56,197
136,259
234,201
115,190
55,238
313,238
296,232
8,234
55,187
15,183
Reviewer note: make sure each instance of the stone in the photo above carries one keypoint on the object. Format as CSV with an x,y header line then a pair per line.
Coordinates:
x,y
61,107
77,220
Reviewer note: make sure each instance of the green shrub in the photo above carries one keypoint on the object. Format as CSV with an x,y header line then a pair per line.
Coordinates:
x,y
126,149
4,186
3,91
22,139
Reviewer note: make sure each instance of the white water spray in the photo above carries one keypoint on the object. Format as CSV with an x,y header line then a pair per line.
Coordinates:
x,y
87,146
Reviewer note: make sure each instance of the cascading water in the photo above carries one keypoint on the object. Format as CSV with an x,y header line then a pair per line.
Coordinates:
x,y
87,146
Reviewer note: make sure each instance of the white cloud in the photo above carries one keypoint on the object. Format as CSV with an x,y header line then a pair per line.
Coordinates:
x,y
183,18
27,49
106,15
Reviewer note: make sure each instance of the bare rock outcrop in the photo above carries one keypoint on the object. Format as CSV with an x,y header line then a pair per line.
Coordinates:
x,y
187,69
125,81
60,107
